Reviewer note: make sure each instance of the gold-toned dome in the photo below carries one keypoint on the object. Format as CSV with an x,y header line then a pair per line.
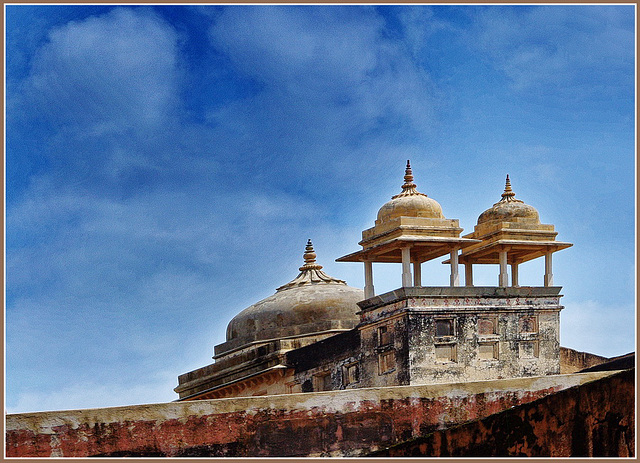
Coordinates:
x,y
313,302
509,208
409,203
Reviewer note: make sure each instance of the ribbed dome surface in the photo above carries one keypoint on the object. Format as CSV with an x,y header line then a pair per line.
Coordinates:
x,y
509,208
313,302
409,203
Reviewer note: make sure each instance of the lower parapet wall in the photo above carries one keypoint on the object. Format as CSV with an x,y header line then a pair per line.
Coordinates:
x,y
593,420
337,423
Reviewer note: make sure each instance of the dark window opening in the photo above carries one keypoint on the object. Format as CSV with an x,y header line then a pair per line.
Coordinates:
x,y
444,327
307,386
350,374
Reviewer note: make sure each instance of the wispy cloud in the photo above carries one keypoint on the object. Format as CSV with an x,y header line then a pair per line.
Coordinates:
x,y
108,74
331,83
138,281
103,99
558,46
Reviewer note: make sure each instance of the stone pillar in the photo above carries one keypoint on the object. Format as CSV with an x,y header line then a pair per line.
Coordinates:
x,y
468,274
503,278
455,278
406,267
417,274
368,279
514,275
548,273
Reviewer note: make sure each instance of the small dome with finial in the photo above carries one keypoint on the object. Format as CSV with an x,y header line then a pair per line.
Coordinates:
x,y
409,203
509,208
313,302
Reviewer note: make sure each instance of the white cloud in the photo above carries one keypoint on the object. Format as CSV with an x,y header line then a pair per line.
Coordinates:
x,y
100,286
419,24
107,74
558,46
100,106
276,43
331,83
334,89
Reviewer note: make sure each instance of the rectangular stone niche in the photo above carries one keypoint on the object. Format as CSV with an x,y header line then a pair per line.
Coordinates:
x,y
488,351
386,362
528,349
445,352
322,382
487,326
384,336
528,324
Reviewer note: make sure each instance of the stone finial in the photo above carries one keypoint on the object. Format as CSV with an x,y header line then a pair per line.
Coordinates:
x,y
310,272
508,194
408,188
309,258
408,177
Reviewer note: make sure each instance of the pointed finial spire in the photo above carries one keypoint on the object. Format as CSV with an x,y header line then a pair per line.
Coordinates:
x,y
408,177
309,257
408,188
508,194
310,272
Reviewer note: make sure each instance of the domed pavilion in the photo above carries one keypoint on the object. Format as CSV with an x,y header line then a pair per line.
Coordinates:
x,y
510,232
409,229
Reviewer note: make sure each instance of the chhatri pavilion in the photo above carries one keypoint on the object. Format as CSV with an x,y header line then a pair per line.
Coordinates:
x,y
510,232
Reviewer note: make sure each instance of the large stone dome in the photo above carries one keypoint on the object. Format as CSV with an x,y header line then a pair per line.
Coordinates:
x,y
509,209
409,203
312,303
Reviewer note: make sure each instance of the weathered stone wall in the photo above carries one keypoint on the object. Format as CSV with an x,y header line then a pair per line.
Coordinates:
x,y
445,335
572,361
591,420
495,333
329,357
508,351
384,354
338,423
229,374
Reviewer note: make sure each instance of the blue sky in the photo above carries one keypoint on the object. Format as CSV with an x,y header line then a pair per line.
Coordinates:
x,y
165,166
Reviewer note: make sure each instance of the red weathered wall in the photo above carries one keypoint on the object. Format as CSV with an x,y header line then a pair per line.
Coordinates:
x,y
338,423
592,420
